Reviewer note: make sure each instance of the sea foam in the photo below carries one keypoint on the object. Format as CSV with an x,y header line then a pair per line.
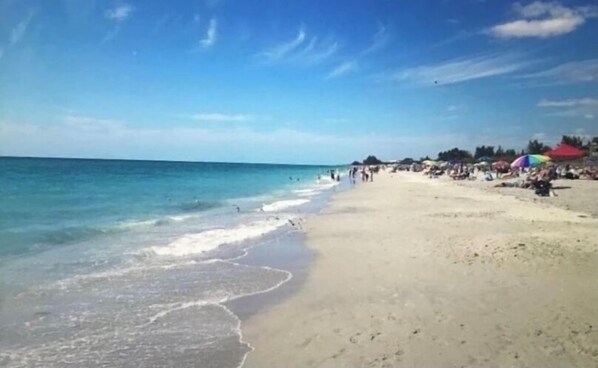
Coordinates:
x,y
211,239
281,205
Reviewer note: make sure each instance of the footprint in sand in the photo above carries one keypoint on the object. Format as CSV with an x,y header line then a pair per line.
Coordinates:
x,y
374,335
338,353
354,339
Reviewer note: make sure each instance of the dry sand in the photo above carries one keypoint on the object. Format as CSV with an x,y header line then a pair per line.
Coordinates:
x,y
417,272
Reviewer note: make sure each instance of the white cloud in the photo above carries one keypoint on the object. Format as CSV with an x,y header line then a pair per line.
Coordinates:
x,y
343,69
211,33
218,117
460,70
453,108
302,50
578,108
281,50
543,20
569,102
119,13
539,137
572,72
80,136
379,40
18,32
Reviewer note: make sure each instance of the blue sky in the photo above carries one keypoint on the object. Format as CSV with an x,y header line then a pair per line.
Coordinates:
x,y
292,81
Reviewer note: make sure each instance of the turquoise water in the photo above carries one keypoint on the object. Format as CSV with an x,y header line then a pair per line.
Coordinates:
x,y
108,262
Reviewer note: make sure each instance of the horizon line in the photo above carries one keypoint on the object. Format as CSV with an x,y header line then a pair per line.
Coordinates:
x,y
162,160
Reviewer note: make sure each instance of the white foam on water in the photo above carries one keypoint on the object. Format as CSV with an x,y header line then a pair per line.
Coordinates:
x,y
306,192
284,204
135,223
219,302
211,239
180,218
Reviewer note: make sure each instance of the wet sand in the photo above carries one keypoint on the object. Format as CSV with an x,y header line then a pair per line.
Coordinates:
x,y
410,271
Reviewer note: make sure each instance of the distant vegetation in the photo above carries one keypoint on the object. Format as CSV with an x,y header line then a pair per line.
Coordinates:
x,y
370,160
489,153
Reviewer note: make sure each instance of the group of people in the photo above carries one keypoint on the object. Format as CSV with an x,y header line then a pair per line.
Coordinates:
x,y
572,173
366,174
538,180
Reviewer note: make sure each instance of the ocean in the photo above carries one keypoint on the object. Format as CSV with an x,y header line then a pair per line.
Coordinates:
x,y
122,263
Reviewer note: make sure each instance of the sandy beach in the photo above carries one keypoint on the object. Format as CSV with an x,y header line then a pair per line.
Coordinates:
x,y
411,271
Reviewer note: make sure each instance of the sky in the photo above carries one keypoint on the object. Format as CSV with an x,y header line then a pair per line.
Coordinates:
x,y
307,81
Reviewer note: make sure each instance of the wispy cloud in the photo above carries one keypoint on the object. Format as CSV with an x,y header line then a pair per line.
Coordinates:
x,y
211,33
108,138
219,117
379,40
120,13
343,69
87,122
571,72
459,70
279,51
543,19
586,108
18,32
569,102
453,108
302,50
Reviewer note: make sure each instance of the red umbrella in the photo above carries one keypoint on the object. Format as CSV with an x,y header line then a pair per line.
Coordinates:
x,y
565,152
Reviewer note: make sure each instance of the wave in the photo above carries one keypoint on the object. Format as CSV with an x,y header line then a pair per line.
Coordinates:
x,y
306,192
211,239
281,205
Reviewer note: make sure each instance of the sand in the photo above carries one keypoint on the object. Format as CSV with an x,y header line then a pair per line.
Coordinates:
x,y
411,271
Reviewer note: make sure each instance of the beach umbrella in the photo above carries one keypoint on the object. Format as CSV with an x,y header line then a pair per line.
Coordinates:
x,y
485,158
530,160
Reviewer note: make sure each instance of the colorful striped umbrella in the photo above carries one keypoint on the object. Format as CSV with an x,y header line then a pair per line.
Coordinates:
x,y
529,160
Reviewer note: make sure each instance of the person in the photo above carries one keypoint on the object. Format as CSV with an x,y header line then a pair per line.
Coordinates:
x,y
364,174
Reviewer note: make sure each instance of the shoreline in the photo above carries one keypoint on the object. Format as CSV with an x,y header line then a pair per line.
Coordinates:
x,y
286,252
410,271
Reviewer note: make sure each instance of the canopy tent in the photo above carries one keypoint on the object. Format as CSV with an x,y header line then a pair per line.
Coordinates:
x,y
565,152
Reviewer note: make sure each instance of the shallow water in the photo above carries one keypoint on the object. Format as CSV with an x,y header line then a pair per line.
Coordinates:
x,y
121,276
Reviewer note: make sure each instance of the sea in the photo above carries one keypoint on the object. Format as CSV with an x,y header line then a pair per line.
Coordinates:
x,y
120,263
